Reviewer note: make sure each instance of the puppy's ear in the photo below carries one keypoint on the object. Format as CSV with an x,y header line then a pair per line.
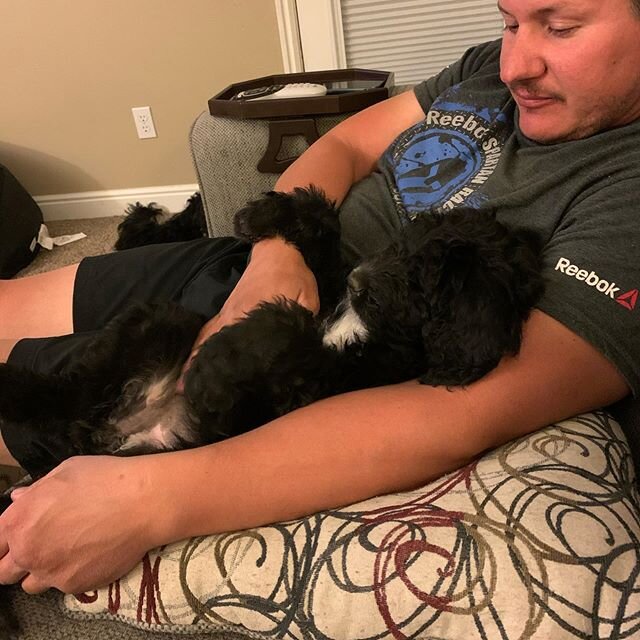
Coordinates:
x,y
476,303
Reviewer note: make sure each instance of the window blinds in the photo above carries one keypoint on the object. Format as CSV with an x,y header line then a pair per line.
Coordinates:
x,y
415,38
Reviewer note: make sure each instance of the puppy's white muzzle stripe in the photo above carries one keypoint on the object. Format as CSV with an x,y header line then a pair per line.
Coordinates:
x,y
346,329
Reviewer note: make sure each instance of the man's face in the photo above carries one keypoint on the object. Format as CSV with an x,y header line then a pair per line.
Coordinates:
x,y
571,65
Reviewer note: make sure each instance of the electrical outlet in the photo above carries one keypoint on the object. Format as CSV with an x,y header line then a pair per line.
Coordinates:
x,y
144,122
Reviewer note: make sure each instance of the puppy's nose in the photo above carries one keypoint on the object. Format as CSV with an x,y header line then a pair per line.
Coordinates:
x,y
357,281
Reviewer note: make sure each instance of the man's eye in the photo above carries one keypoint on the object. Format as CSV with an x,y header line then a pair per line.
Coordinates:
x,y
511,28
561,31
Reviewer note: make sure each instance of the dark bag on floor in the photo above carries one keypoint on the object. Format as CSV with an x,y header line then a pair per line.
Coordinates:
x,y
20,220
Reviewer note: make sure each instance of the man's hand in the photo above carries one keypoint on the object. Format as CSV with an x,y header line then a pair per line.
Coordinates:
x,y
82,526
276,269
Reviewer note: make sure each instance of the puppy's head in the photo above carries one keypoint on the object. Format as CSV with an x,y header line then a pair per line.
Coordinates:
x,y
480,281
458,286
382,303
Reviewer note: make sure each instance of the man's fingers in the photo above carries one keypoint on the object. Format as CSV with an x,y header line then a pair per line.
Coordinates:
x,y
183,372
4,545
10,572
33,586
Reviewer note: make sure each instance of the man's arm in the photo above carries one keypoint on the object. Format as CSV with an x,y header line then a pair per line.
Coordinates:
x,y
329,454
350,151
370,442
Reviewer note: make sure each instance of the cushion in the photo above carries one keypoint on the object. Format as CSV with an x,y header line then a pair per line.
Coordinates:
x,y
537,539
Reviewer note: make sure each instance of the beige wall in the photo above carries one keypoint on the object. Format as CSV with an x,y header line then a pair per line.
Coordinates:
x,y
70,71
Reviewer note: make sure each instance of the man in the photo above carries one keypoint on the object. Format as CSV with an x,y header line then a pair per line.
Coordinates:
x,y
548,135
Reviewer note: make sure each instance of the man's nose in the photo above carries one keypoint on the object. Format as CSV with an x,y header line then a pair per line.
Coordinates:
x,y
521,58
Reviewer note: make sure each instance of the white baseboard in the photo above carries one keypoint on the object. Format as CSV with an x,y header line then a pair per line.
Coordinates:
x,y
102,204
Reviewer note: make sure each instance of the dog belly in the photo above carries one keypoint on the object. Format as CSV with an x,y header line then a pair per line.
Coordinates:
x,y
159,422
162,436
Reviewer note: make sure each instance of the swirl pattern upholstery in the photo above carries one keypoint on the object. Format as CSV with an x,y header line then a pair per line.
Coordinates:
x,y
537,539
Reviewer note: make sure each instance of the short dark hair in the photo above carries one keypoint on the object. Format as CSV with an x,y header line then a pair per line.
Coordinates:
x,y
635,5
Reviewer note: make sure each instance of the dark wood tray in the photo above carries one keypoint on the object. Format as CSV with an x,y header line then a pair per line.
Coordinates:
x,y
375,87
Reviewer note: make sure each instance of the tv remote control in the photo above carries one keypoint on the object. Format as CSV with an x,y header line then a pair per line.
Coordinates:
x,y
279,91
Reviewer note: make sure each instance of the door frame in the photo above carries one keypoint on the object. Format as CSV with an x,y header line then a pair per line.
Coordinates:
x,y
311,35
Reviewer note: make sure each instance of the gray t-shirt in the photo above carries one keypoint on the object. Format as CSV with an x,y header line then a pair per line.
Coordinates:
x,y
581,197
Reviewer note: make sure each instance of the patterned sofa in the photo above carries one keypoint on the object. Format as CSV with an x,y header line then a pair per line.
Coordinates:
x,y
537,539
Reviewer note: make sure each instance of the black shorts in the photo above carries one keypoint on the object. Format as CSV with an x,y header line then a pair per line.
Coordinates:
x,y
198,275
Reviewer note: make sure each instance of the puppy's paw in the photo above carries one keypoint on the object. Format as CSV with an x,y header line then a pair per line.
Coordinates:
x,y
139,226
297,217
266,217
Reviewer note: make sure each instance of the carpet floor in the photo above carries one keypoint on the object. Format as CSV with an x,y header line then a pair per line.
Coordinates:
x,y
101,235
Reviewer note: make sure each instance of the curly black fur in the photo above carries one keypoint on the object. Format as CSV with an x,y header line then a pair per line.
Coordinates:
x,y
141,225
308,221
443,303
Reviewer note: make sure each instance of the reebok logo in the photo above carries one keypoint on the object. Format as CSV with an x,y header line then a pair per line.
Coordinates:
x,y
591,278
628,300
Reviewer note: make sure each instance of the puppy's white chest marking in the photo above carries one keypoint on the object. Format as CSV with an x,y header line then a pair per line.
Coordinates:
x,y
345,330
160,420
159,437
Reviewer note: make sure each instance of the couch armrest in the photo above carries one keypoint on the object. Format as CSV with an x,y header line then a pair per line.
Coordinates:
x,y
225,154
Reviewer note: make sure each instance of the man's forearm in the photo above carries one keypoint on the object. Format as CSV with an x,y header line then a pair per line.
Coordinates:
x,y
374,441
332,453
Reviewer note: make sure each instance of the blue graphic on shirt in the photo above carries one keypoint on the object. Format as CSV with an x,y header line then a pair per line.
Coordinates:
x,y
434,165
445,160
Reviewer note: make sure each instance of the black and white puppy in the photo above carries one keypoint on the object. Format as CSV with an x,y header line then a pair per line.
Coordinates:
x,y
443,303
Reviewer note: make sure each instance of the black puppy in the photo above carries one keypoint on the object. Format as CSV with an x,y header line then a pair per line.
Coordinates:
x,y
443,303
141,225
